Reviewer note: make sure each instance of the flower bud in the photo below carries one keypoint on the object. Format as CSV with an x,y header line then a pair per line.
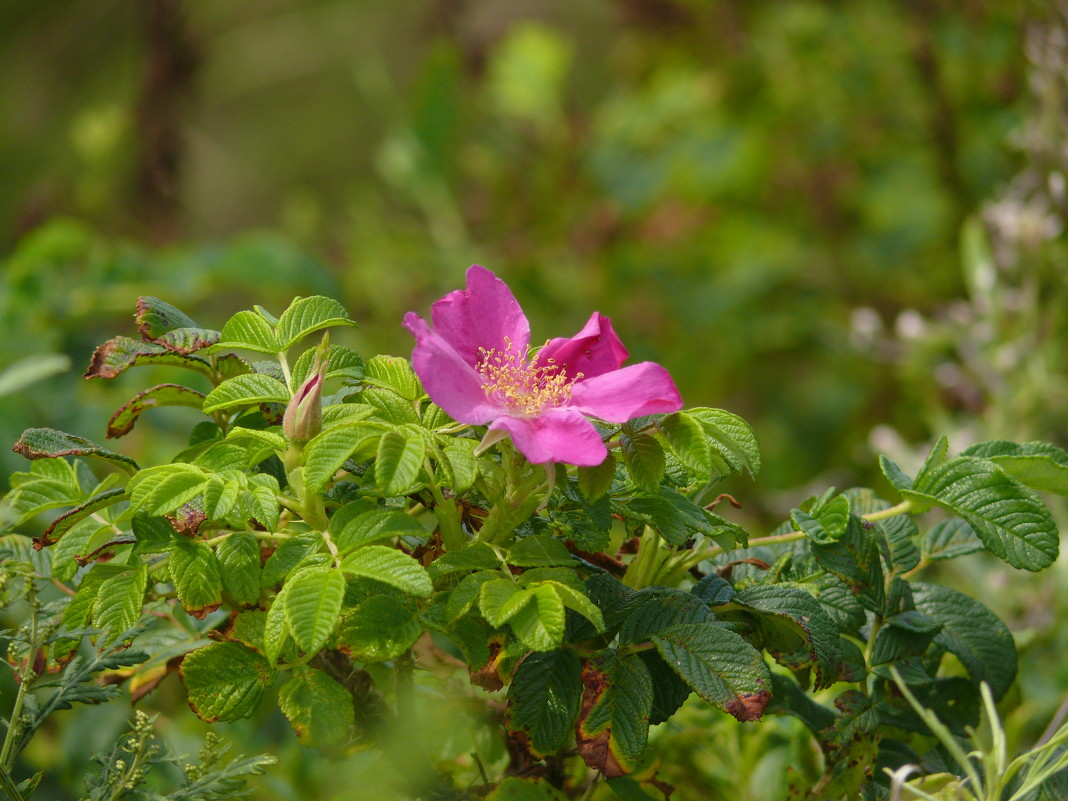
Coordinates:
x,y
303,418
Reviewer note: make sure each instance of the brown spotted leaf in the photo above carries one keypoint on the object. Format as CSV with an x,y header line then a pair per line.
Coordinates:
x,y
156,317
121,353
122,422
47,443
613,724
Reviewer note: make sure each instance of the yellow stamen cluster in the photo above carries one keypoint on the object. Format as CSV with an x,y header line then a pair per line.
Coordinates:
x,y
521,383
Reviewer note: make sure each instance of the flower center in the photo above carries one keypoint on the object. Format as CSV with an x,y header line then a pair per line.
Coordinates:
x,y
521,383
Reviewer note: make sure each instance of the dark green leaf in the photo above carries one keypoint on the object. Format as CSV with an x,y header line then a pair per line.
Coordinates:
x,y
594,482
855,560
616,705
948,539
121,353
644,459
1038,465
544,698
894,474
731,436
47,443
155,317
66,521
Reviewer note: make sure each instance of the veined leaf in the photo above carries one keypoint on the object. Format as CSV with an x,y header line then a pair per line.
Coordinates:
x,y
544,698
239,558
195,574
894,474
500,600
307,315
515,789
66,521
289,553
121,353
389,566
399,462
971,632
1038,465
686,437
540,625
393,373
119,601
320,710
47,443
275,627
652,609
245,390
355,525
719,665
948,539
644,458
379,629
539,550
225,681
341,362
248,330
313,606
613,725
326,453
188,340
898,532
462,466
155,317
1007,516
122,422
855,560
594,482
731,436
162,489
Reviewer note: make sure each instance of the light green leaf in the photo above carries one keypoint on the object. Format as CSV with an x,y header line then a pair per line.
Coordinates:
x,y
393,373
119,601
539,550
247,330
225,681
355,525
275,627
341,362
307,315
731,436
399,462
246,390
31,369
1038,465
320,710
66,521
540,625
594,482
1007,516
239,557
544,698
162,489
500,599
195,574
462,465
326,453
313,606
379,629
686,438
515,789
389,566
576,601
719,665
644,458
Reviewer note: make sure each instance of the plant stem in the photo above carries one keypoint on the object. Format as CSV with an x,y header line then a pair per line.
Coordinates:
x,y
14,726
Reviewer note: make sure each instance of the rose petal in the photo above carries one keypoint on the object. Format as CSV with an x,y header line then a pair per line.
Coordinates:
x,y
450,382
592,351
622,395
485,315
558,435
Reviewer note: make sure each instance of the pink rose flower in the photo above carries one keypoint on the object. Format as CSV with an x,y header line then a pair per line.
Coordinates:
x,y
476,365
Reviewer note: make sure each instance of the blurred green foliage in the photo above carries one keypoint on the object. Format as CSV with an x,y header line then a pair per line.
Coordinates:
x,y
841,220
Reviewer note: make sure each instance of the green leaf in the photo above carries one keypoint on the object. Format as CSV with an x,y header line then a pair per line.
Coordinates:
x,y
540,625
307,315
123,420
936,457
393,373
68,520
275,628
644,459
155,317
225,681
341,362
855,560
1038,465
247,330
262,497
678,519
719,665
28,370
162,489
47,443
289,553
669,691
894,474
789,619
239,558
544,698
948,539
515,789
245,390
731,436
972,633
686,438
898,532
399,462
1007,516
188,340
653,609
617,701
326,453
500,600
389,566
476,556
195,574
320,710
356,524
121,353
119,601
379,629
594,482
462,465
539,550
313,606
905,635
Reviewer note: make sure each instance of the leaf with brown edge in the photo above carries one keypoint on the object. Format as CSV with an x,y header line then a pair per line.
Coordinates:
x,y
68,520
122,422
613,723
225,681
47,443
155,317
188,340
121,353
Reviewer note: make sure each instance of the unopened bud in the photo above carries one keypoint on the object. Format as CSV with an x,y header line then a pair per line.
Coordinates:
x,y
304,414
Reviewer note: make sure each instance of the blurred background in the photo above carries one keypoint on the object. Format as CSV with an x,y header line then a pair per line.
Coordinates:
x,y
843,221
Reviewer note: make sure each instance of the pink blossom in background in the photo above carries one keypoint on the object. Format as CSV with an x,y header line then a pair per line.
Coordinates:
x,y
475,363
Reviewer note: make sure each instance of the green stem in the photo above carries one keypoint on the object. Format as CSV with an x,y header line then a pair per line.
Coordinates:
x,y
14,726
10,788
902,508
